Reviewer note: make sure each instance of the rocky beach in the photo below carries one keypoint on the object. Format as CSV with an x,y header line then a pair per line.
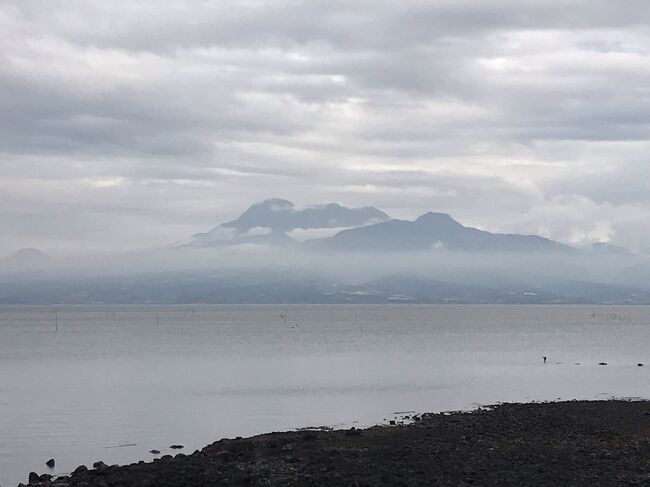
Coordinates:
x,y
562,443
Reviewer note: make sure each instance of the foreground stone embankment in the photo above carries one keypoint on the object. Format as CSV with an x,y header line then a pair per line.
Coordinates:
x,y
567,443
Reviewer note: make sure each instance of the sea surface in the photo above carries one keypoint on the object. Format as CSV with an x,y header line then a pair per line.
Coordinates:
x,y
86,383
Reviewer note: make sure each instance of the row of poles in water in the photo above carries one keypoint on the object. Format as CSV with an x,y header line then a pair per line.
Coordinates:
x,y
283,316
56,319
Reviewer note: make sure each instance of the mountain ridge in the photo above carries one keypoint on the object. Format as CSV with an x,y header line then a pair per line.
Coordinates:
x,y
435,231
272,221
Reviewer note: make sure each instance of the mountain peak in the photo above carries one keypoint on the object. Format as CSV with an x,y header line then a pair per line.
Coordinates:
x,y
26,259
433,231
274,218
433,218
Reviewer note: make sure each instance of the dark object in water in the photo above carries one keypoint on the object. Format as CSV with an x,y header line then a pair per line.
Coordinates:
x,y
155,452
176,447
639,364
602,363
544,359
122,446
50,463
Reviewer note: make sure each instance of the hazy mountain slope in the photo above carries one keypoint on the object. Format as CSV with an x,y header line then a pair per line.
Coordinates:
x,y
270,220
253,288
434,230
25,260
282,215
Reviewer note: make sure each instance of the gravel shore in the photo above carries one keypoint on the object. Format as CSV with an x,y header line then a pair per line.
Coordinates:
x,y
577,443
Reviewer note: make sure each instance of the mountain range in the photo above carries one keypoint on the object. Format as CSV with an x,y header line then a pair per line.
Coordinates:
x,y
433,231
272,221
275,252
364,229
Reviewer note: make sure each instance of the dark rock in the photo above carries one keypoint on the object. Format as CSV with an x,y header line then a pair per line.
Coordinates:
x,y
80,469
50,463
33,477
602,363
639,364
155,452
176,447
100,465
577,443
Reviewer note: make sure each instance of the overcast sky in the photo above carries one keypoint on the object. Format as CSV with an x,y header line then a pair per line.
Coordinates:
x,y
133,124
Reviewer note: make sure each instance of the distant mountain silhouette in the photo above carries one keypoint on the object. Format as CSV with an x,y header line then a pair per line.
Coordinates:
x,y
25,260
270,221
367,229
431,231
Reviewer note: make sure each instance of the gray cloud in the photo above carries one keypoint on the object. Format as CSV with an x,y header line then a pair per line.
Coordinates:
x,y
125,125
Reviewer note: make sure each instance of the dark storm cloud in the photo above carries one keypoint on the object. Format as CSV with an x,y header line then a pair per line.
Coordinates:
x,y
158,120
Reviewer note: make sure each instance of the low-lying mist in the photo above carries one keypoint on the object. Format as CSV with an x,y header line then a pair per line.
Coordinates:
x,y
417,276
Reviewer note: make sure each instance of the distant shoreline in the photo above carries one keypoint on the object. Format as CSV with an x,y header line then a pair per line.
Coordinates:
x,y
282,305
557,443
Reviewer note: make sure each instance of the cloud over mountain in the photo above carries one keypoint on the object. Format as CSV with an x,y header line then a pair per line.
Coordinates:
x,y
272,220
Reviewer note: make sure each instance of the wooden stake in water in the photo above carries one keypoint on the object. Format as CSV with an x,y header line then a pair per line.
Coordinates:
x,y
284,315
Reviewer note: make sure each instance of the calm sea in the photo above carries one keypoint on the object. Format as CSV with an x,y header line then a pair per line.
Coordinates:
x,y
113,382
